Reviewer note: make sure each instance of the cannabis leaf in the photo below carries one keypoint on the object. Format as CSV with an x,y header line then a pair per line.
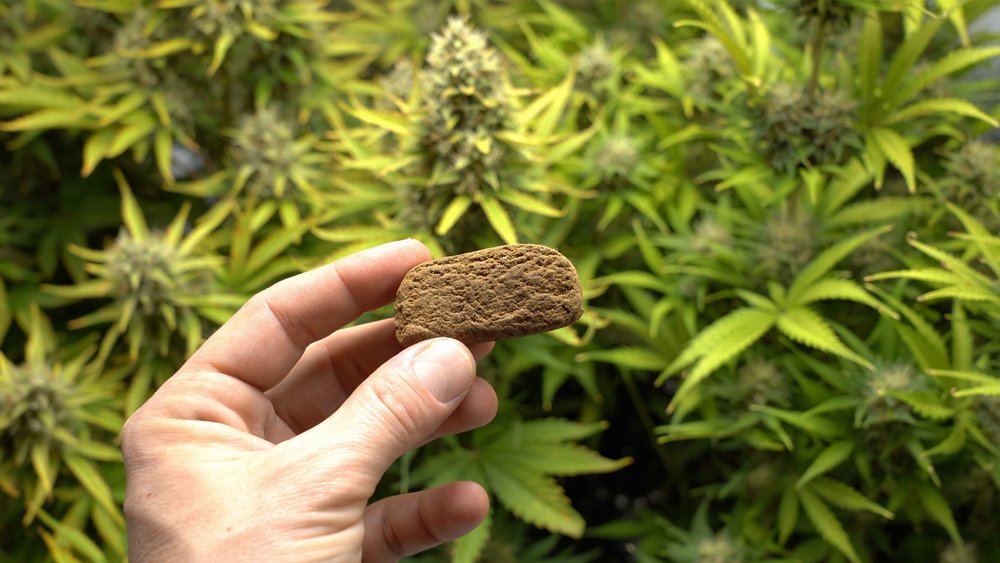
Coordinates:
x,y
788,310
518,461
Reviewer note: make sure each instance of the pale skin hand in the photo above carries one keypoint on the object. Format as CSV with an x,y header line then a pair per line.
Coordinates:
x,y
268,443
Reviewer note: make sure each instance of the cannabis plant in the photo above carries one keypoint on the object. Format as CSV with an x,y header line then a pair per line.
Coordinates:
x,y
783,216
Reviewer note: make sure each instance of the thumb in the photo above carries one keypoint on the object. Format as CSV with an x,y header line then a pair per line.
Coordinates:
x,y
399,405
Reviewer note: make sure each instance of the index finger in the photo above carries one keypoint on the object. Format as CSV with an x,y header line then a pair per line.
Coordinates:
x,y
264,339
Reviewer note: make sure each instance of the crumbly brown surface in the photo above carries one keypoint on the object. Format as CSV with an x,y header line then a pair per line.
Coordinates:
x,y
491,294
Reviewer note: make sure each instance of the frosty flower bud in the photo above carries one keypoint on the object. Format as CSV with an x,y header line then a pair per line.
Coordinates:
x,y
398,82
796,129
762,383
788,242
143,269
959,553
616,155
975,165
718,548
594,64
265,143
39,397
708,64
710,235
879,404
466,106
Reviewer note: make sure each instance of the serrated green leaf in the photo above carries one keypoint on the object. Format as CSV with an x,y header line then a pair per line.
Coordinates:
x,y
532,497
714,338
529,203
827,524
469,547
552,430
844,496
499,220
273,245
805,326
41,461
163,147
937,508
983,390
982,237
452,214
931,275
560,459
896,149
721,342
65,533
925,403
634,278
788,515
72,118
92,289
348,233
219,50
949,64
820,266
90,477
832,456
702,429
840,289
627,357
97,450
952,444
935,106
815,424
135,221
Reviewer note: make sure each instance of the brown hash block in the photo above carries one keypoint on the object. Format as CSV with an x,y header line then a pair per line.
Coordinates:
x,y
492,294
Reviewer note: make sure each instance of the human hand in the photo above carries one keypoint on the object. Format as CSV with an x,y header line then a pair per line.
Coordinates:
x,y
268,443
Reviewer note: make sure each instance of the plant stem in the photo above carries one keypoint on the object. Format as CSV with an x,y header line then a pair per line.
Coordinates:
x,y
644,418
818,43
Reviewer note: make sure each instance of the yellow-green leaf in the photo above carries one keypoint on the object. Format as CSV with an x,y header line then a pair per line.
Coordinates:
x,y
529,203
534,498
499,219
135,221
92,480
897,150
827,524
834,454
804,326
452,214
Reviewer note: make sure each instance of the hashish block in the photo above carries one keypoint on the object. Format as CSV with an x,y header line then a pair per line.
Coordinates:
x,y
492,294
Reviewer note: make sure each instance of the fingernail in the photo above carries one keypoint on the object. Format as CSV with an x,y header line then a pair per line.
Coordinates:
x,y
444,366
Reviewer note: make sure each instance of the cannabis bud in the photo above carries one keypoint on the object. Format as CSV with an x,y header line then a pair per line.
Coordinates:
x,y
466,106
973,171
265,144
594,64
710,236
616,156
708,65
796,129
788,242
398,83
879,405
34,397
718,549
143,269
762,383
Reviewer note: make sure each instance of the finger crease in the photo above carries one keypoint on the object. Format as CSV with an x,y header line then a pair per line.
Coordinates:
x,y
355,302
289,327
389,535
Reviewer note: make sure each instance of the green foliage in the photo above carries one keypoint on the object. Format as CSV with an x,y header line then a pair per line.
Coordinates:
x,y
784,217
